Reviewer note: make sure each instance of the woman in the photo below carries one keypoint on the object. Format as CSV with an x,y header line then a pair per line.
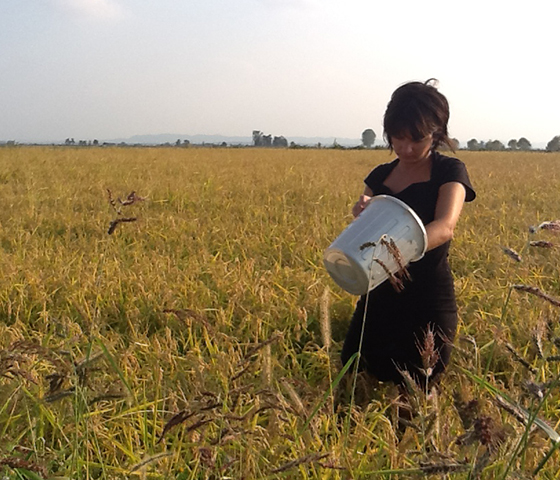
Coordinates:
x,y
400,325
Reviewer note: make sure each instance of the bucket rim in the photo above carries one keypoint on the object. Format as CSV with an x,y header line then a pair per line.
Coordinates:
x,y
412,213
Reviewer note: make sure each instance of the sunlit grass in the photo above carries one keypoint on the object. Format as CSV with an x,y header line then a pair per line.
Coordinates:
x,y
205,314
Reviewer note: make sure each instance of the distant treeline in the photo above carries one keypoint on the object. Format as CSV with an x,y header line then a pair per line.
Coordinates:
x,y
269,141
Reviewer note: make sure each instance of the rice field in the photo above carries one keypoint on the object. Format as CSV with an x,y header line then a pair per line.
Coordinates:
x,y
165,313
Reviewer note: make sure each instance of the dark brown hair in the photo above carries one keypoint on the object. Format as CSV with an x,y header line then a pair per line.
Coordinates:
x,y
418,109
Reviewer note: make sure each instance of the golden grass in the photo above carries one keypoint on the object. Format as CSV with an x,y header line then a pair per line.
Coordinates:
x,y
195,341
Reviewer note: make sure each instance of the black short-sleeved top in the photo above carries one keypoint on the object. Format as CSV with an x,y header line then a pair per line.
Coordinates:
x,y
431,289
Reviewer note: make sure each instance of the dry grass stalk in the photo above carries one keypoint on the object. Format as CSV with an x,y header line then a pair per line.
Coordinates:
x,y
226,435
113,225
314,457
186,314
325,320
56,380
296,400
428,352
534,389
481,463
396,282
59,395
330,465
210,406
365,245
553,226
245,368
131,198
410,383
511,253
88,361
430,468
481,428
113,203
84,367
520,359
250,413
541,244
16,462
409,402
244,365
235,395
27,347
177,419
149,460
392,248
207,456
267,366
254,349
537,337
488,433
397,278
468,411
10,366
536,422
538,293
195,426
106,397
513,410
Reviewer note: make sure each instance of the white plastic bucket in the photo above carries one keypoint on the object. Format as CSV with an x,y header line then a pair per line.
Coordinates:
x,y
350,258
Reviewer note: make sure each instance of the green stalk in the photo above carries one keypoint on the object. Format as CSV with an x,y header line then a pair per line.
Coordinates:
x,y
330,390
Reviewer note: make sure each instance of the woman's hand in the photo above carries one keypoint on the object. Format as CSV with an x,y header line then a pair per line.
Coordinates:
x,y
360,205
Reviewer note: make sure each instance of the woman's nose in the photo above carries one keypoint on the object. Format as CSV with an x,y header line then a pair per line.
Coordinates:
x,y
407,147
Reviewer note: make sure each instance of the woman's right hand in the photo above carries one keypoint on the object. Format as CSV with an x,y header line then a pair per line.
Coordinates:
x,y
360,205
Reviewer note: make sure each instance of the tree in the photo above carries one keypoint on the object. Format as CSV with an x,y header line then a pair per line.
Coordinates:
x,y
279,142
262,140
257,138
523,144
368,138
512,144
554,144
494,145
473,144
454,145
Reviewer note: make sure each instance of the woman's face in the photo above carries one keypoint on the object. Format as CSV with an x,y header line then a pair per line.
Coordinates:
x,y
410,150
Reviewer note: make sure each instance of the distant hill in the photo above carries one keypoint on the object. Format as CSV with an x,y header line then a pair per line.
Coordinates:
x,y
158,139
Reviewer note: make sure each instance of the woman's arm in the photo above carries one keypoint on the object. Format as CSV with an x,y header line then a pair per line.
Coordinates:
x,y
362,202
448,208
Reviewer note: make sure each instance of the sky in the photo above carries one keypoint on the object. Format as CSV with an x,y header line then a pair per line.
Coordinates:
x,y
110,69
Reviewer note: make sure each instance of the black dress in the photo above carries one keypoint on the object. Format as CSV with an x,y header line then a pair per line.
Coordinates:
x,y
396,322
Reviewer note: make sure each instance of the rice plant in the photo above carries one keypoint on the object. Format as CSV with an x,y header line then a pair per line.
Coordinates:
x,y
165,313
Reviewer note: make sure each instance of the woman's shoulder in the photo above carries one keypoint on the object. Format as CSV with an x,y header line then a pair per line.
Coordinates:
x,y
445,160
446,165
379,173
450,169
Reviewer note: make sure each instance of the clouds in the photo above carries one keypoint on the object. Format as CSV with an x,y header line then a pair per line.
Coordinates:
x,y
98,9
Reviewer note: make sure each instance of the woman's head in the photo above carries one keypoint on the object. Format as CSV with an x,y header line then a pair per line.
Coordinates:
x,y
417,110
